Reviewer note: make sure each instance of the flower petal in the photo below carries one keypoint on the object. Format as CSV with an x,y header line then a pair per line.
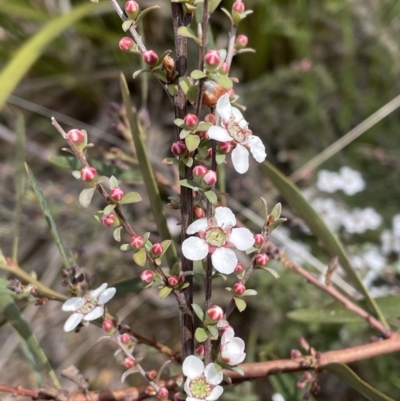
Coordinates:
x,y
242,238
94,314
240,159
224,260
212,375
224,217
192,367
96,293
194,248
224,108
228,335
106,295
238,116
257,148
73,321
219,134
196,226
73,304
215,393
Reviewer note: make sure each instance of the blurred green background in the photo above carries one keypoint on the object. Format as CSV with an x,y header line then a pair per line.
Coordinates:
x,y
321,67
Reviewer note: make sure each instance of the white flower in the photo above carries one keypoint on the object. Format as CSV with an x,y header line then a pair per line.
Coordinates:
x,y
235,128
88,307
328,181
352,181
216,235
277,397
396,225
331,212
232,348
201,383
361,220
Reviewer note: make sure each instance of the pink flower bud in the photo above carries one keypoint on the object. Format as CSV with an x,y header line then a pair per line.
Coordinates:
x,y
88,173
241,41
295,353
200,351
125,338
231,93
238,6
215,313
258,239
173,281
157,249
116,193
150,57
163,392
178,148
76,136
300,385
202,134
212,58
126,44
304,344
210,178
209,153
132,8
239,288
210,118
307,376
137,242
107,325
129,362
147,276
225,147
262,259
191,120
107,220
239,268
199,171
198,212
224,68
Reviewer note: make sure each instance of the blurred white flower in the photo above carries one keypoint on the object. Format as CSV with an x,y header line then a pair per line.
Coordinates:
x,y
374,259
232,348
328,181
277,397
360,220
331,212
201,383
217,236
396,225
352,181
174,226
235,128
88,307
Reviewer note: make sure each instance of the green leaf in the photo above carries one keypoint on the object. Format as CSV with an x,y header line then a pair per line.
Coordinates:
x,y
130,197
189,89
140,257
192,142
164,292
173,89
222,80
72,163
211,196
212,5
49,218
203,126
109,209
31,50
346,375
249,292
145,12
213,331
156,203
127,24
85,197
189,184
113,182
117,234
272,271
13,315
188,33
128,286
240,304
200,335
198,311
329,240
197,74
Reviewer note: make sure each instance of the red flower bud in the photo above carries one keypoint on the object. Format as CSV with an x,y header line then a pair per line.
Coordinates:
x,y
200,351
295,353
262,259
150,57
132,8
215,313
239,268
238,6
88,173
210,178
107,325
239,288
107,220
199,171
198,212
126,44
231,93
116,193
178,148
210,118
137,242
209,153
225,147
212,58
191,120
224,68
163,392
259,239
129,362
241,41
76,136
173,281
147,276
125,338
157,249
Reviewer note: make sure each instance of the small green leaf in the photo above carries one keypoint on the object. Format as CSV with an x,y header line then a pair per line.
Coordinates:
x,y
240,304
188,33
192,142
189,184
272,271
250,292
127,24
76,174
109,209
176,268
198,311
223,80
212,5
145,12
213,331
138,72
276,211
113,182
128,286
173,89
179,122
220,158
130,197
200,335
165,245
125,247
184,133
189,89
203,126
164,292
160,74
211,196
117,234
197,74
276,224
140,257
85,197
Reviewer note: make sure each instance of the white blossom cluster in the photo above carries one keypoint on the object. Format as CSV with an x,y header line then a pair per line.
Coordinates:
x,y
348,180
